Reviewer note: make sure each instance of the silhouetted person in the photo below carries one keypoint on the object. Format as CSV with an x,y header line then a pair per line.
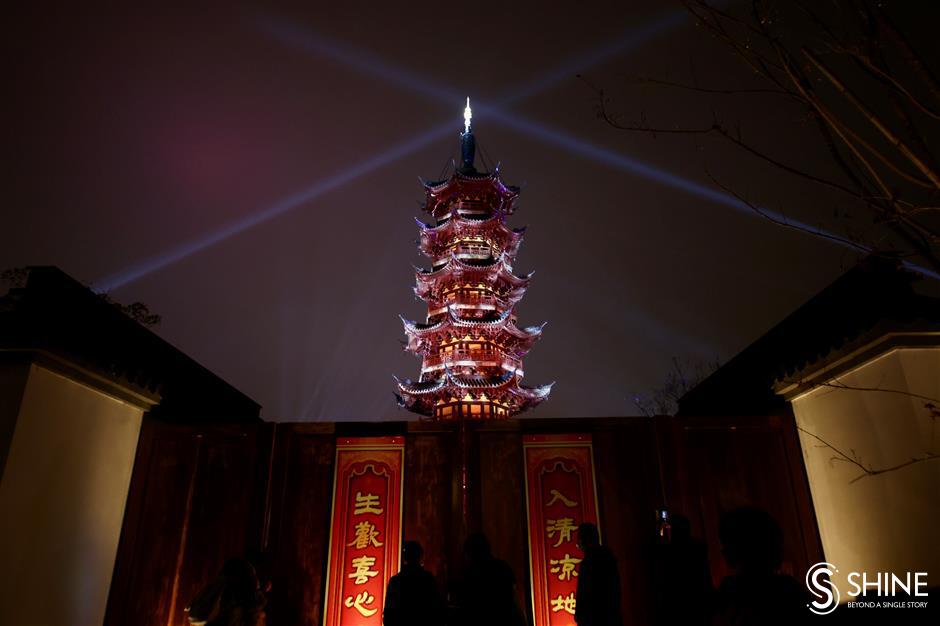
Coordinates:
x,y
412,598
233,598
683,581
597,600
756,593
488,593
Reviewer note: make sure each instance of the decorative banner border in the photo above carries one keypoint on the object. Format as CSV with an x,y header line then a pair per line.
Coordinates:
x,y
560,494
365,529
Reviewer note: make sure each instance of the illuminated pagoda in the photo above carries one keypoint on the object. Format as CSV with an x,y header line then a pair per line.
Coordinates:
x,y
470,345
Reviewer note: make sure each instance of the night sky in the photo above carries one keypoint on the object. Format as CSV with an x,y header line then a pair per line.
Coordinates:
x,y
251,174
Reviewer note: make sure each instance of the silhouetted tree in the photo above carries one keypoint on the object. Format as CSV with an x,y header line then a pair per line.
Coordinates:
x,y
680,379
860,81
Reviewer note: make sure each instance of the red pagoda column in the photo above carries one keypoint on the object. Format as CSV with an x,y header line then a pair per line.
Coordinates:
x,y
470,345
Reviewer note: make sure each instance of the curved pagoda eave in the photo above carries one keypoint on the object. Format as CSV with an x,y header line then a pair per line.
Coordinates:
x,y
452,321
433,241
441,194
499,271
504,393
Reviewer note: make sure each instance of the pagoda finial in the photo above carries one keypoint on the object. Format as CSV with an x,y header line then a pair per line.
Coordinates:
x,y
467,142
467,116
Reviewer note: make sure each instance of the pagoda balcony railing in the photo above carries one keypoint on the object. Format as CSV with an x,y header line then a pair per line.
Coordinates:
x,y
479,410
473,251
472,207
481,303
472,358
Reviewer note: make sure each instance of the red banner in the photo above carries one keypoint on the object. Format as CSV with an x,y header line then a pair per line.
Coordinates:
x,y
365,529
560,495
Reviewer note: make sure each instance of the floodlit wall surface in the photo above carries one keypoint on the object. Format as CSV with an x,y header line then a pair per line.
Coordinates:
x,y
62,499
885,522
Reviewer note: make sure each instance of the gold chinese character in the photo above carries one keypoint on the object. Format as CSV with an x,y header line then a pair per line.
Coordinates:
x,y
365,534
363,573
359,603
564,567
563,603
557,495
368,503
563,526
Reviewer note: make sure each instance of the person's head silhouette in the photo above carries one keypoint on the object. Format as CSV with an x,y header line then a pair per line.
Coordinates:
x,y
751,541
476,548
588,536
411,553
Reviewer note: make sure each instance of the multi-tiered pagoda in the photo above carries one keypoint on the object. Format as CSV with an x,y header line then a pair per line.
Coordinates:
x,y
470,345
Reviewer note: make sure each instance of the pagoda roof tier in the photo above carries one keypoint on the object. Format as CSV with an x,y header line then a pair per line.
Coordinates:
x,y
489,270
499,302
512,345
452,320
420,388
508,290
501,327
501,321
476,189
485,362
434,240
449,379
514,348
532,394
505,390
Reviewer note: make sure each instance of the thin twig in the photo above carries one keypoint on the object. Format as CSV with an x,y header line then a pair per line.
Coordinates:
x,y
867,470
838,385
726,134
913,59
731,92
784,223
887,79
873,118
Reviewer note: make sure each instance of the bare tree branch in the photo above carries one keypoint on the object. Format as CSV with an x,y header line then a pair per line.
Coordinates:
x,y
860,108
867,470
873,119
818,233
887,79
727,92
891,32
726,134
838,385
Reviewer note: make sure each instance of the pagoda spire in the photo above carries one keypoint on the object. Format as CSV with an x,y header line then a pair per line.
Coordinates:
x,y
468,145
470,344
467,116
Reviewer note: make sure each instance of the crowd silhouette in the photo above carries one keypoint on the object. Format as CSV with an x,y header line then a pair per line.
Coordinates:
x,y
755,593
